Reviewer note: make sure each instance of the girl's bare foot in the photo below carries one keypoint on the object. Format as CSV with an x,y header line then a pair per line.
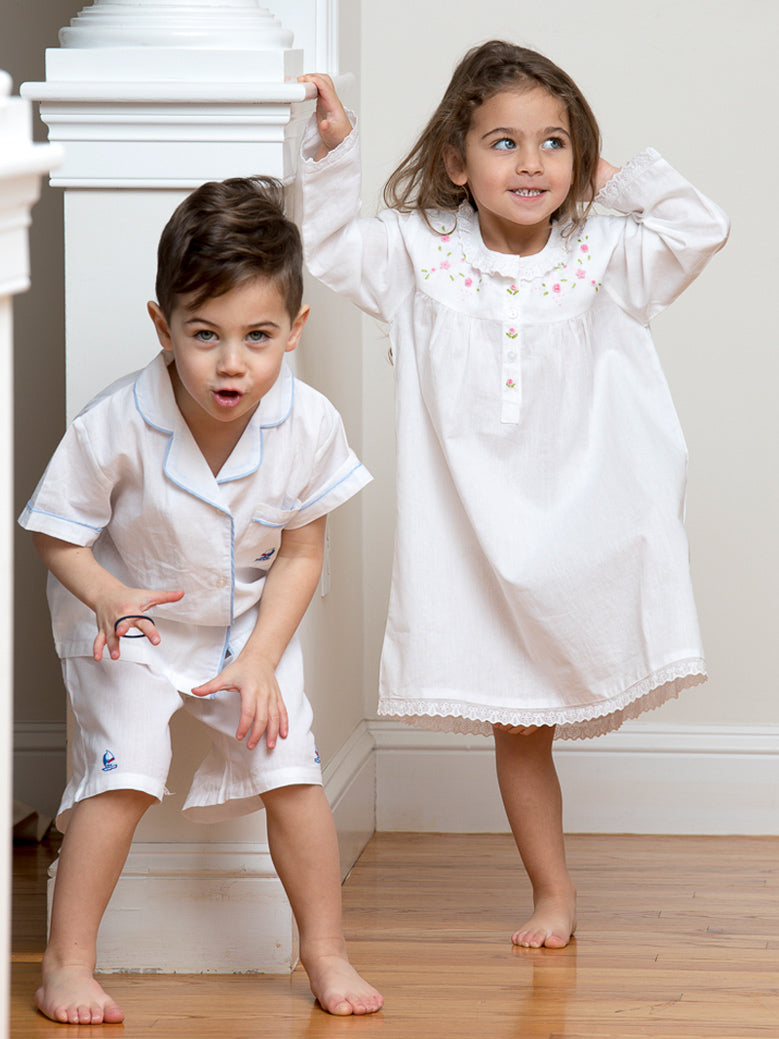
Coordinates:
x,y
70,995
552,924
338,987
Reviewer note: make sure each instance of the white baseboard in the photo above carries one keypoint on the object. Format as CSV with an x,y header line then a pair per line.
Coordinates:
x,y
640,779
350,785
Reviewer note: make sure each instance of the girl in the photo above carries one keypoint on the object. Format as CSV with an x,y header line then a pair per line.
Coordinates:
x,y
541,584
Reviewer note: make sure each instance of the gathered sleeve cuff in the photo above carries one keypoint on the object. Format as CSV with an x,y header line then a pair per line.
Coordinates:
x,y
671,233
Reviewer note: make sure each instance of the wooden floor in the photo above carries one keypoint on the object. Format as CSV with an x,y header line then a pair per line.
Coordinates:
x,y
678,939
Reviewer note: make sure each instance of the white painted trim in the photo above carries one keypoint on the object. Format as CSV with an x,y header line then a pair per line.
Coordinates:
x,y
641,779
350,785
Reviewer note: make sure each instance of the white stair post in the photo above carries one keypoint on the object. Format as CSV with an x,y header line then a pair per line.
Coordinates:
x,y
22,164
150,98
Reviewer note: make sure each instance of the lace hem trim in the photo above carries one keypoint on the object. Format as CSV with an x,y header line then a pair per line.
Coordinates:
x,y
612,191
573,723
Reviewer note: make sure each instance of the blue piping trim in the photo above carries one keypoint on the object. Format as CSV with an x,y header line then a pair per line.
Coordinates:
x,y
65,519
331,488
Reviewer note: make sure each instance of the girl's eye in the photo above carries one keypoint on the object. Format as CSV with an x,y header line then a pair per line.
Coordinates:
x,y
554,143
257,336
504,144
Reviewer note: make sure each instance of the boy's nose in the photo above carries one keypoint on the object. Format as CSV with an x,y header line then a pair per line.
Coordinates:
x,y
231,360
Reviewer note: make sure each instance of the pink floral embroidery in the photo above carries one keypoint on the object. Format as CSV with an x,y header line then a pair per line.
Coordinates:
x,y
585,248
512,290
557,288
468,282
444,237
581,273
511,384
445,265
512,333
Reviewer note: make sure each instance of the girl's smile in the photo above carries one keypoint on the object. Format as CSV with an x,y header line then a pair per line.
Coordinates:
x,y
518,166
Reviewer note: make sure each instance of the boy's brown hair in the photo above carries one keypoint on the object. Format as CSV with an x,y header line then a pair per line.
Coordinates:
x,y
225,233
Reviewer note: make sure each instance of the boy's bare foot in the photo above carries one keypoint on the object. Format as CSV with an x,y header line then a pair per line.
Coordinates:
x,y
551,926
70,995
338,987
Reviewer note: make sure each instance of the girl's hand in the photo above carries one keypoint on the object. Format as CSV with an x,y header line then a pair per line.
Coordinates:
x,y
332,120
262,706
131,604
603,174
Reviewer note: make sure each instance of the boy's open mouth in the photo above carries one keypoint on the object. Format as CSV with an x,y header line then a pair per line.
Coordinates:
x,y
227,397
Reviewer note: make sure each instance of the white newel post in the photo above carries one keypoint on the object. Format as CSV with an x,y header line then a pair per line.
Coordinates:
x,y
150,99
22,164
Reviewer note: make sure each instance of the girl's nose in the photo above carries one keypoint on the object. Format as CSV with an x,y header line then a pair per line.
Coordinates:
x,y
529,161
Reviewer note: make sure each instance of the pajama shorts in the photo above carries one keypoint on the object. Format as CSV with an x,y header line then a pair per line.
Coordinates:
x,y
121,739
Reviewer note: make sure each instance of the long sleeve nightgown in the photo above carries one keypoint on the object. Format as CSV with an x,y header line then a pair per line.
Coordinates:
x,y
541,572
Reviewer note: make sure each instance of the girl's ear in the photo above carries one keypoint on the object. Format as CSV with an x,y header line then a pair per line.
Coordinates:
x,y
454,166
160,324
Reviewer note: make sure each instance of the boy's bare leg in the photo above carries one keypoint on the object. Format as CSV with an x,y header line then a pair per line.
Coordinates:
x,y
533,802
94,850
304,847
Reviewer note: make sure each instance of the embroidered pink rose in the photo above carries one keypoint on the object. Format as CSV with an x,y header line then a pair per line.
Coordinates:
x,y
468,282
585,248
512,333
445,265
511,384
581,273
557,288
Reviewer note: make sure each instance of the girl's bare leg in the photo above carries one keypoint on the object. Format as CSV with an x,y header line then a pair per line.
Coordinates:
x,y
93,852
533,802
304,847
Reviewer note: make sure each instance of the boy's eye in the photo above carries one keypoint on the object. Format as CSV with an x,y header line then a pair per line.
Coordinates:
x,y
257,336
205,335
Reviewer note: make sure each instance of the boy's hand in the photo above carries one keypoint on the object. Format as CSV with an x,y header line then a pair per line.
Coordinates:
x,y
131,604
332,120
262,706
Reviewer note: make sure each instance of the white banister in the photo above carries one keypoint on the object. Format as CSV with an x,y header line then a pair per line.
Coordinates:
x,y
22,164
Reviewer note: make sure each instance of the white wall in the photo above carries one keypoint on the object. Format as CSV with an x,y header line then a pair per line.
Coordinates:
x,y
696,79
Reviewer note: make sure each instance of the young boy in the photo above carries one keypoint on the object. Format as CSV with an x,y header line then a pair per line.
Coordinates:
x,y
183,514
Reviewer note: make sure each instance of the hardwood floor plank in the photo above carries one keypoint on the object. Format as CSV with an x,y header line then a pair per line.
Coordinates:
x,y
678,939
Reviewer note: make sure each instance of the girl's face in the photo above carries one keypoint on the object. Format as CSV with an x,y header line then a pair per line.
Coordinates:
x,y
518,167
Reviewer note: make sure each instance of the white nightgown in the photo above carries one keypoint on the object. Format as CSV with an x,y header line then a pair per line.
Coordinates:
x,y
541,572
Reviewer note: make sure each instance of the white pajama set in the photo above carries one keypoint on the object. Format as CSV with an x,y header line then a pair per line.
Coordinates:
x,y
129,481
541,572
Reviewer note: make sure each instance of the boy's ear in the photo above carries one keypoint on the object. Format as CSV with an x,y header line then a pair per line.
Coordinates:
x,y
297,328
160,324
454,166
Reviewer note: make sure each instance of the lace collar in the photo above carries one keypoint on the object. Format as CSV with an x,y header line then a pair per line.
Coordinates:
x,y
506,264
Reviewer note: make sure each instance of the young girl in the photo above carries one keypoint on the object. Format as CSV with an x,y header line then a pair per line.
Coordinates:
x,y
541,584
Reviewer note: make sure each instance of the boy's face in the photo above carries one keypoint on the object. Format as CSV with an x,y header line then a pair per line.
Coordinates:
x,y
227,353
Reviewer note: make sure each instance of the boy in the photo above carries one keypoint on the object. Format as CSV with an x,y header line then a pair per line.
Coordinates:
x,y
198,489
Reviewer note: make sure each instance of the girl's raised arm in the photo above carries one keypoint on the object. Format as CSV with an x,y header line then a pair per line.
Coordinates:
x,y
332,121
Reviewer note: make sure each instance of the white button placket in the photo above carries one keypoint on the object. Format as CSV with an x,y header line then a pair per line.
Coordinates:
x,y
511,372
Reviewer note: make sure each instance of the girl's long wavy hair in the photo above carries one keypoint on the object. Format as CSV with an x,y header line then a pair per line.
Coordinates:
x,y
421,181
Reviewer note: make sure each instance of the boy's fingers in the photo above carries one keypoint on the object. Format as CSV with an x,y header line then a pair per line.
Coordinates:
x,y
171,595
